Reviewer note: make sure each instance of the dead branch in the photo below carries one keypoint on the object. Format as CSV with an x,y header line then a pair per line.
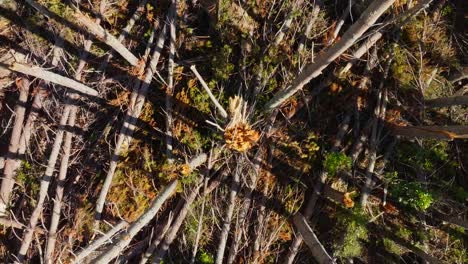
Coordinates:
x,y
125,32
309,210
310,24
149,251
287,22
258,159
170,82
228,217
171,234
221,110
46,178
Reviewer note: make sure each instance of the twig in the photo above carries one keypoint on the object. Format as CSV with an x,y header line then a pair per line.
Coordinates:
x,y
222,111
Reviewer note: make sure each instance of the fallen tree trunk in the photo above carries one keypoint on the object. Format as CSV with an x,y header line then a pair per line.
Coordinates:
x,y
8,181
124,239
80,256
447,101
435,132
367,19
51,77
100,33
316,248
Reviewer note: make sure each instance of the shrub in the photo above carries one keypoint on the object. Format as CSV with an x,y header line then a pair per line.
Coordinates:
x,y
412,194
335,162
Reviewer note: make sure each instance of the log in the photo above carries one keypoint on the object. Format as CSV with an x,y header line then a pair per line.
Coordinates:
x,y
367,19
124,240
100,33
316,248
435,132
51,77
447,101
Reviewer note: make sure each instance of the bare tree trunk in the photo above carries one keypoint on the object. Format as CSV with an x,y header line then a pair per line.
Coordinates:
x,y
100,33
47,177
125,32
221,109
228,217
170,82
52,77
136,226
316,248
447,101
367,19
8,181
435,132
80,256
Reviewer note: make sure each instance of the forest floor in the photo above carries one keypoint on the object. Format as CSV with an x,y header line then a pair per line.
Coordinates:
x,y
371,153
